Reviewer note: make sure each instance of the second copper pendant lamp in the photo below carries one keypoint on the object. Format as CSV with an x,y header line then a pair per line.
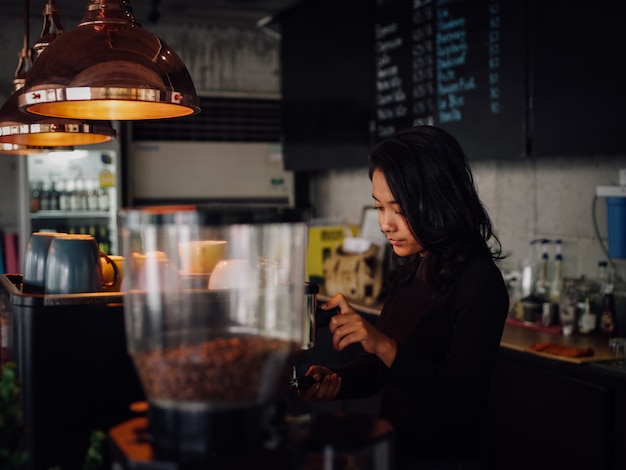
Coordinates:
x,y
109,67
24,133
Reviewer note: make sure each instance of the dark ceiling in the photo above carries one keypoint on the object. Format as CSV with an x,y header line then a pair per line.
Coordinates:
x,y
242,13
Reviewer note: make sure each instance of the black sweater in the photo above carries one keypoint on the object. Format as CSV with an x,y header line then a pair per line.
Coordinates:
x,y
436,391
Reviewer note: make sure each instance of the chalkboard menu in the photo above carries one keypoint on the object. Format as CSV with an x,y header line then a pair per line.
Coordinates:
x,y
457,64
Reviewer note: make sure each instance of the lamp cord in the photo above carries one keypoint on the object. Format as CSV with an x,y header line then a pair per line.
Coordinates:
x,y
24,55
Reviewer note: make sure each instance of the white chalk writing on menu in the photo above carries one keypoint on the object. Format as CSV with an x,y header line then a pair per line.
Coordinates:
x,y
390,94
495,51
441,62
452,49
423,62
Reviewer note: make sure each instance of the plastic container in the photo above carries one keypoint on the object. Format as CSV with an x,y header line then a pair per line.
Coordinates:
x,y
616,221
214,360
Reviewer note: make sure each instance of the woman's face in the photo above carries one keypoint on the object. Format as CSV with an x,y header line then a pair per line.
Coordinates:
x,y
392,221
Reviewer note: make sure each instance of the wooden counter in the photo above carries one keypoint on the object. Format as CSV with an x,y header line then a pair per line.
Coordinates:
x,y
521,339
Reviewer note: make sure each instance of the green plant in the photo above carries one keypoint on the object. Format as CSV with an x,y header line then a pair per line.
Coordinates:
x,y
12,428
11,424
94,460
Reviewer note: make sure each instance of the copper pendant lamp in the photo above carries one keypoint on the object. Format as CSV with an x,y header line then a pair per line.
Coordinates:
x,y
19,128
109,67
23,133
14,149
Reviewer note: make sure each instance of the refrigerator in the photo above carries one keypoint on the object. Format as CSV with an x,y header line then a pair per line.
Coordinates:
x,y
75,191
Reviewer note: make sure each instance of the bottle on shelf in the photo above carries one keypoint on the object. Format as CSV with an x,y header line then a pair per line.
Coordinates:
x,y
550,312
541,286
53,196
541,293
45,197
72,194
35,196
64,197
92,195
587,317
81,194
607,323
104,241
103,199
568,307
599,285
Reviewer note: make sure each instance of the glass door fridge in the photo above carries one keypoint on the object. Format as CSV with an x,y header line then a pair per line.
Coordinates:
x,y
77,191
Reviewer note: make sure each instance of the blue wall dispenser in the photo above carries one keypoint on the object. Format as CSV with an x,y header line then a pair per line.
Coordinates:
x,y
615,197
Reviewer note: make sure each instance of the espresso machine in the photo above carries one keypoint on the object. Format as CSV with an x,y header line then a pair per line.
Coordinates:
x,y
215,347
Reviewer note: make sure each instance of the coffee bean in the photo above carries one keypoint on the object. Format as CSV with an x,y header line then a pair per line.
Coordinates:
x,y
221,371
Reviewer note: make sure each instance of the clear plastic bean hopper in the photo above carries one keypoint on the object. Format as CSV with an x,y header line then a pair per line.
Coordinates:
x,y
214,312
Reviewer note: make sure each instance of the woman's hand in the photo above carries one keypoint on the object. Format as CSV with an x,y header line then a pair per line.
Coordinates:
x,y
348,327
326,386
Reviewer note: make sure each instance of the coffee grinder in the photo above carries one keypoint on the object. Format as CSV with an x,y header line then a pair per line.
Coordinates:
x,y
215,350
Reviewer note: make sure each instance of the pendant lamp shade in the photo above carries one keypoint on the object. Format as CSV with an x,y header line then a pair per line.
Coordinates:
x,y
23,131
14,149
109,68
17,127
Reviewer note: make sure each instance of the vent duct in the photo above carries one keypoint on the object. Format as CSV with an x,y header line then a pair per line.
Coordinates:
x,y
220,120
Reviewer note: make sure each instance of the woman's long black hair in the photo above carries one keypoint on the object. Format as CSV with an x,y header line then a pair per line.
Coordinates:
x,y
430,178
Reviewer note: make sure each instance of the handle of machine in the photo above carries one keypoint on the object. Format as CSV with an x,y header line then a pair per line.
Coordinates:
x,y
303,383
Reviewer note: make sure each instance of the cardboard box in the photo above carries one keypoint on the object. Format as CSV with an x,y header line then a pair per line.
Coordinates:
x,y
323,240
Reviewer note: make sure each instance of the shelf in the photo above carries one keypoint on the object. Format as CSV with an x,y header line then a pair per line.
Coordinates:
x,y
69,214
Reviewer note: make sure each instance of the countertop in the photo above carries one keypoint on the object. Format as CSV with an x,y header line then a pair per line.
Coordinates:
x,y
521,339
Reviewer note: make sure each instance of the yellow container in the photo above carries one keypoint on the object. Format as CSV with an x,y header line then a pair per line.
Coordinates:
x,y
323,240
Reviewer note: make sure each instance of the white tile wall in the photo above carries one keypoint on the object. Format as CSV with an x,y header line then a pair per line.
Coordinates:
x,y
527,199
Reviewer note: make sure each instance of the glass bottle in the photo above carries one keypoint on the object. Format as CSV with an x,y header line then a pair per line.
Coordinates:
x,y
568,310
64,197
607,323
550,312
541,286
586,316
557,280
72,194
45,197
104,240
599,289
81,194
92,195
54,197
103,199
35,197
